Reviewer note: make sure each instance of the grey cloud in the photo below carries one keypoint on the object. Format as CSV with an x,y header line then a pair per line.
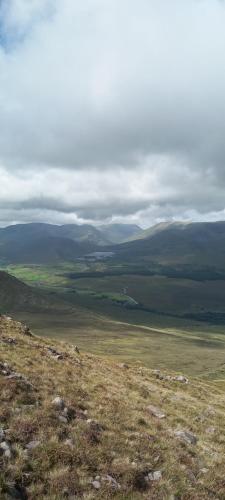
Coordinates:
x,y
125,100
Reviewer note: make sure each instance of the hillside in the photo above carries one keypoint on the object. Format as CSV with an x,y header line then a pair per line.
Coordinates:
x,y
43,250
114,431
17,296
180,243
75,232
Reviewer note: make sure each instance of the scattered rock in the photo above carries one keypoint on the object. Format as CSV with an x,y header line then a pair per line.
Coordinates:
x,y
7,372
96,485
107,479
186,437
178,378
32,445
59,403
26,331
9,340
57,355
204,470
210,430
156,412
123,365
4,369
63,419
154,476
181,378
5,449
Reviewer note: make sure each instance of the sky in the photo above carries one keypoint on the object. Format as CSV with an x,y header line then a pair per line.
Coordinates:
x,y
112,111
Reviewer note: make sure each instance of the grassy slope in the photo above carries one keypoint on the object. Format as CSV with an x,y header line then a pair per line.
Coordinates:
x,y
131,335
124,441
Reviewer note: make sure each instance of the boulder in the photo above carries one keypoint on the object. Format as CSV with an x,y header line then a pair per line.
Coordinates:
x,y
186,436
156,412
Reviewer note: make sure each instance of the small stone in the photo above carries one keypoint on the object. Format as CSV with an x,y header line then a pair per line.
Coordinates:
x,y
69,442
59,357
8,453
27,331
96,485
58,403
210,430
77,349
156,412
204,470
155,476
182,379
123,365
186,436
32,445
4,446
63,419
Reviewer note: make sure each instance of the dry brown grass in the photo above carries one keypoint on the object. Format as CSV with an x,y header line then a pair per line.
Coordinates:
x,y
122,440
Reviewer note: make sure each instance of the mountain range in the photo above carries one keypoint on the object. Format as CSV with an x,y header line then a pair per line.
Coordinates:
x,y
40,243
174,244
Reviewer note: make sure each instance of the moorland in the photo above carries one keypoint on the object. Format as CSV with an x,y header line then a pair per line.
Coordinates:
x,y
154,296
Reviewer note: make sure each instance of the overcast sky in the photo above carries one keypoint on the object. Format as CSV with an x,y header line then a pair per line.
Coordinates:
x,y
112,110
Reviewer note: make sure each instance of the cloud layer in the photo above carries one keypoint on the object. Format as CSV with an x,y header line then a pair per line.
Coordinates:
x,y
112,110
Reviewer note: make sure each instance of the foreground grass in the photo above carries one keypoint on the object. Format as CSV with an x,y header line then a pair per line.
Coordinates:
x,y
107,432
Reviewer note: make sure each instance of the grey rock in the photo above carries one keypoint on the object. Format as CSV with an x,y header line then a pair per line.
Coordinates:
x,y
204,470
210,430
182,379
186,436
63,419
123,365
156,412
96,485
59,403
154,476
32,445
6,450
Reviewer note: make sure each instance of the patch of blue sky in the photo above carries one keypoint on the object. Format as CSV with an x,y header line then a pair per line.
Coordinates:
x,y
13,35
